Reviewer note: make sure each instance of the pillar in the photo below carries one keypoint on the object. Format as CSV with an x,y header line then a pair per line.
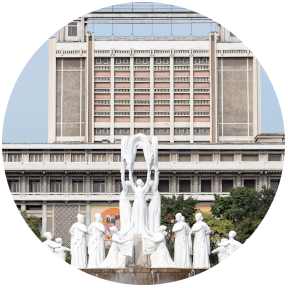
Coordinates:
x,y
44,218
23,206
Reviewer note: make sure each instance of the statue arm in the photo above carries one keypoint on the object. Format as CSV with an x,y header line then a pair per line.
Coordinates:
x,y
125,232
177,228
71,231
147,182
125,187
131,181
148,232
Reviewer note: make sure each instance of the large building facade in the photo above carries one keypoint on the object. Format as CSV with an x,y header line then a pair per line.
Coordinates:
x,y
199,95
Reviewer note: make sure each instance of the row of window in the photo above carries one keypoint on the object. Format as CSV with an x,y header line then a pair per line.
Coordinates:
x,y
99,185
158,60
161,157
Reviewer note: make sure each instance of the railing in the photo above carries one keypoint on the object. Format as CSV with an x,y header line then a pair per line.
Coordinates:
x,y
151,38
200,38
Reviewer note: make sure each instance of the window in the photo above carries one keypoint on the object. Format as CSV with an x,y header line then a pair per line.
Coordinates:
x,y
274,157
184,157
165,60
205,157
105,60
125,60
206,186
158,60
165,131
197,60
99,158
204,60
34,186
137,130
145,60
105,131
184,186
250,184
177,130
78,157
126,131
197,131
231,34
118,131
163,186
118,60
99,186
36,158
116,157
177,60
185,131
56,186
72,29
273,183
15,158
118,185
185,60
77,186
249,157
140,158
98,60
137,60
98,131
56,157
204,130
157,131
145,131
163,158
13,185
227,157
226,185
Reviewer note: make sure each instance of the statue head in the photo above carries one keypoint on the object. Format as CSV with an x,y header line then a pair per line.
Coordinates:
x,y
151,183
128,183
98,217
140,183
162,228
224,240
59,241
80,218
114,229
232,234
178,217
48,235
198,217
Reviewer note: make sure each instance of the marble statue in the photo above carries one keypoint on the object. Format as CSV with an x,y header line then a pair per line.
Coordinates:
x,y
78,243
181,245
51,245
201,245
122,244
154,244
221,251
124,204
154,210
62,251
128,155
189,239
96,249
231,245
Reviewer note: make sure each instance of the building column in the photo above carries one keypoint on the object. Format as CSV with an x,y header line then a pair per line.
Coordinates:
x,y
132,100
172,96
152,93
88,218
112,75
174,183
109,183
23,206
191,98
44,218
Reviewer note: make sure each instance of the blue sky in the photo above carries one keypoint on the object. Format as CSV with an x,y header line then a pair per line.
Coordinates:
x,y
26,119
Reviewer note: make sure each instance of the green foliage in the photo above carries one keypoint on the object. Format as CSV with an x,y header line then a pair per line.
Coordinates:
x,y
106,251
246,228
33,222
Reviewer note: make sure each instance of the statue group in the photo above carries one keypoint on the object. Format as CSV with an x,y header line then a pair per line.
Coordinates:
x,y
143,220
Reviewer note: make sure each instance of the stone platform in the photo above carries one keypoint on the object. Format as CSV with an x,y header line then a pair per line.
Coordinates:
x,y
143,276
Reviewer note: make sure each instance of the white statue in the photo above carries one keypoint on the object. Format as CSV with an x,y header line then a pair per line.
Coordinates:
x,y
154,244
201,245
181,245
189,239
124,204
231,245
78,243
62,251
51,245
154,210
122,244
96,249
221,251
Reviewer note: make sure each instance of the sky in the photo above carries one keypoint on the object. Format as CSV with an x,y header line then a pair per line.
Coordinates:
x,y
26,118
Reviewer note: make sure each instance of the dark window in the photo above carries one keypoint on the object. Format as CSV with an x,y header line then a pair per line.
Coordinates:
x,y
163,186
184,157
227,157
274,183
164,158
226,185
140,158
250,184
99,186
249,157
184,186
34,186
13,185
77,186
206,186
56,186
33,207
205,157
72,29
274,157
118,186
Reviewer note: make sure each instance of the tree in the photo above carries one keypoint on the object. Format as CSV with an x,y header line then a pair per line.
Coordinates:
x,y
33,222
246,228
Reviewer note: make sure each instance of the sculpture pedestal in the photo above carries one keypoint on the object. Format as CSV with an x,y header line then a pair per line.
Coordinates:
x,y
138,260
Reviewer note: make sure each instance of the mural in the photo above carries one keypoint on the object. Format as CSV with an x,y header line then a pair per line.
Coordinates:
x,y
111,217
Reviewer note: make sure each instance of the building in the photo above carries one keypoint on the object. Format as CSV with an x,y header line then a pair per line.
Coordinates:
x,y
199,95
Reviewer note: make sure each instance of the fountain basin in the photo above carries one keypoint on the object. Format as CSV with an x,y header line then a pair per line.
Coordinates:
x,y
143,276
